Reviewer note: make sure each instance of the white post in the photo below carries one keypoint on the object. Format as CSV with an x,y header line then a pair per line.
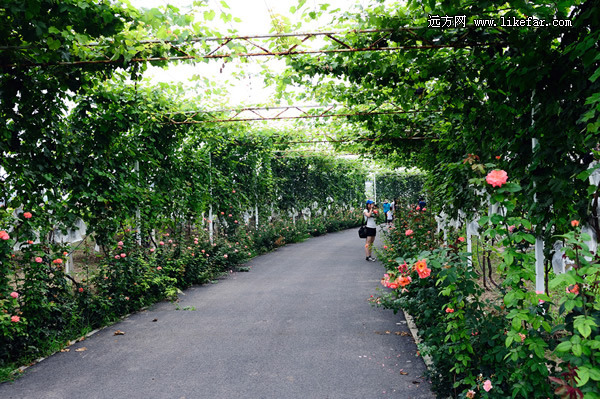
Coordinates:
x,y
540,284
138,221
256,215
375,187
210,209
210,224
69,265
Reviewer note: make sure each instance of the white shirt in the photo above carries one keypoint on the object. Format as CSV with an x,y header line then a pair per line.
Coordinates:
x,y
370,221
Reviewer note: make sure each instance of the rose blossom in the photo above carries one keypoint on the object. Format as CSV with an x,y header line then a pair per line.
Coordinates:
x,y
161,243
80,289
4,235
27,215
120,243
408,232
404,281
487,385
159,268
496,178
422,269
14,294
15,319
151,249
573,289
461,239
38,259
574,223
449,310
123,255
57,261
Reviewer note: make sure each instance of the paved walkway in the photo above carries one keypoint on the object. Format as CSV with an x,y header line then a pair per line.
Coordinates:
x,y
298,325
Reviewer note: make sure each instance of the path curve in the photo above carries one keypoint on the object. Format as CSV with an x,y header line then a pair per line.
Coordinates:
x,y
298,325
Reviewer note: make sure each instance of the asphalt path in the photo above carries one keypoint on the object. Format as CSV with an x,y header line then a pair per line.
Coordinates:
x,y
298,325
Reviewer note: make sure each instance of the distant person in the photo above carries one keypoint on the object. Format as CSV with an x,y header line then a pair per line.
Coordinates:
x,y
421,204
389,215
386,206
370,214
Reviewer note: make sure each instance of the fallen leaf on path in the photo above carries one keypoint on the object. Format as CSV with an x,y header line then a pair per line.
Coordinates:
x,y
402,333
403,372
65,350
82,349
119,332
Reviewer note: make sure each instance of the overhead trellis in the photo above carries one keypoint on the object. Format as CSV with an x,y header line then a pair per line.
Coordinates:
x,y
285,112
403,38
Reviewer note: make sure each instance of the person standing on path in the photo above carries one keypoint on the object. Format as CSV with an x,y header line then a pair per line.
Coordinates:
x,y
370,214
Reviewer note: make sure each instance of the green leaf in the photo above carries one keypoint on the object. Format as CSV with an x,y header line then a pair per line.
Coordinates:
x,y
508,258
583,375
53,44
577,350
595,76
564,346
209,15
584,325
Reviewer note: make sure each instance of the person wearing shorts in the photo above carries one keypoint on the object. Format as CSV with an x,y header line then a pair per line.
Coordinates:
x,y
370,214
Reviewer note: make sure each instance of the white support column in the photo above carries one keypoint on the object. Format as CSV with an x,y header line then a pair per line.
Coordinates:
x,y
375,187
256,216
210,224
138,219
69,265
540,284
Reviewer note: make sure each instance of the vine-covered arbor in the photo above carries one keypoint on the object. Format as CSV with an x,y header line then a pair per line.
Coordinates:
x,y
151,169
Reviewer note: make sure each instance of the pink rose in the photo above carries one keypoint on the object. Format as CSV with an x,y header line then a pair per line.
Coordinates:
x,y
57,261
123,255
14,294
449,310
4,235
117,257
409,232
80,289
496,178
487,385
15,319
574,223
511,228
151,249
225,256
161,243
120,243
27,215
461,239
159,268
